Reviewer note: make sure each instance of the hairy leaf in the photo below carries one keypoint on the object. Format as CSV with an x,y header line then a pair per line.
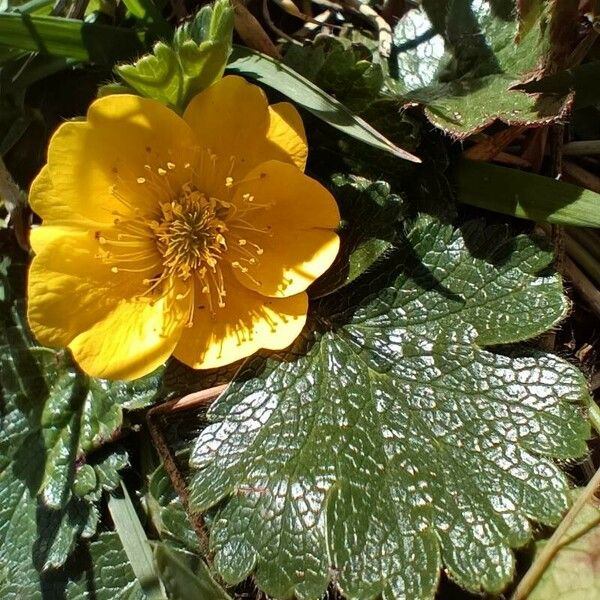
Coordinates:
x,y
461,60
394,438
370,220
173,73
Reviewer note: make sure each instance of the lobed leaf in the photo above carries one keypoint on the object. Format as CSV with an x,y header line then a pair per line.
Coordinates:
x,y
395,437
462,59
174,73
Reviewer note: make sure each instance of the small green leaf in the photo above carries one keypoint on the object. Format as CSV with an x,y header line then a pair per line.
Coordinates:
x,y
173,74
169,516
85,481
183,583
396,437
110,575
306,94
526,195
68,38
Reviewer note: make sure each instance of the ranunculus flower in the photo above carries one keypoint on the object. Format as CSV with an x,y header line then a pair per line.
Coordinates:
x,y
194,237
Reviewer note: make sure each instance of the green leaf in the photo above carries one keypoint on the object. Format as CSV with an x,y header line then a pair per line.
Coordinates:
x,y
68,38
134,540
526,195
461,60
306,94
343,70
51,415
395,437
370,217
109,575
169,516
174,74
186,577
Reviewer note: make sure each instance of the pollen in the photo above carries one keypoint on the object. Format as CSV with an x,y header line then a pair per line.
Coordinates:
x,y
190,233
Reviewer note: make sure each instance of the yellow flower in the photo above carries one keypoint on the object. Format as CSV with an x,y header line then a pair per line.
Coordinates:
x,y
193,236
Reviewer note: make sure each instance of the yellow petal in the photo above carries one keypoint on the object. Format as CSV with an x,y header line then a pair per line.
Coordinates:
x,y
122,134
69,288
231,118
248,322
133,339
301,243
286,138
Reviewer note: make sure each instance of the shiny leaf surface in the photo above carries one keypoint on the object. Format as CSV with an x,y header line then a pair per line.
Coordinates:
x,y
394,438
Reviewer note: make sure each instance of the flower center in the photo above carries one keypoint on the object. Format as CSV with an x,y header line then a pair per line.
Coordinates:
x,y
189,234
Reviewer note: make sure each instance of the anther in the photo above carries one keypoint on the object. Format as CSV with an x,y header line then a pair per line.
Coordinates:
x,y
228,182
170,166
141,180
161,171
114,269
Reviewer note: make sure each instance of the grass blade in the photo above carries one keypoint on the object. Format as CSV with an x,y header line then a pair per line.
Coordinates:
x,y
525,195
306,94
69,38
135,543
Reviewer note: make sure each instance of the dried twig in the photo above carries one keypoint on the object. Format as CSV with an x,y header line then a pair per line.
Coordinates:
x,y
588,291
274,28
582,148
488,148
200,399
381,25
581,176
